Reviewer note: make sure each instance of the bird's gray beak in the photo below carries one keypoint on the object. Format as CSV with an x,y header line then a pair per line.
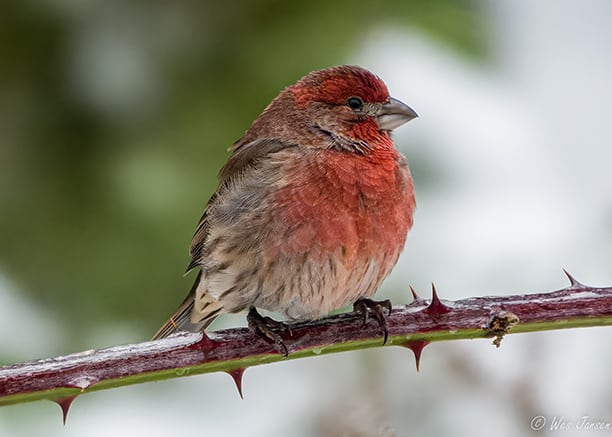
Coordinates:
x,y
393,114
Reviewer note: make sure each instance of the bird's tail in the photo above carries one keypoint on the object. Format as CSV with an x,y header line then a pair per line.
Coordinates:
x,y
183,320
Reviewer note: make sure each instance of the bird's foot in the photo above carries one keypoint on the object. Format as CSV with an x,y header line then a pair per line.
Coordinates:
x,y
268,329
365,306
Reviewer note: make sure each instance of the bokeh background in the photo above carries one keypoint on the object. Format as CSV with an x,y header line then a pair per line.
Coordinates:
x,y
116,115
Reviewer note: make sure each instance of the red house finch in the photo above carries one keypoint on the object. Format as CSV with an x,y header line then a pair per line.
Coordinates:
x,y
312,208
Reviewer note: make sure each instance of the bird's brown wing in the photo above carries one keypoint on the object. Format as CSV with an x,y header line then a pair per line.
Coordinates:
x,y
243,161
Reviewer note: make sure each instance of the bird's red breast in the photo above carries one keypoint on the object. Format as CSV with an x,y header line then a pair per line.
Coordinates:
x,y
360,204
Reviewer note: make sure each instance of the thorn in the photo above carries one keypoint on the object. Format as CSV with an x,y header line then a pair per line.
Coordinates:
x,y
573,281
436,307
236,375
64,404
417,346
415,296
205,344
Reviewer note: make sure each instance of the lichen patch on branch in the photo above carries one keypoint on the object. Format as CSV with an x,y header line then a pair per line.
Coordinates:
x,y
499,325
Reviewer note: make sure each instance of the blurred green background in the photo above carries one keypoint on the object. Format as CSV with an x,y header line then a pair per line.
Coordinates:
x,y
116,115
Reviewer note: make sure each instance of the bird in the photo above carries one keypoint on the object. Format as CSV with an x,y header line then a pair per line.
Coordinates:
x,y
311,211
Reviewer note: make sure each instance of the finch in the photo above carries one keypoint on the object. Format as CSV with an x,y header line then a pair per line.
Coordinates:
x,y
311,211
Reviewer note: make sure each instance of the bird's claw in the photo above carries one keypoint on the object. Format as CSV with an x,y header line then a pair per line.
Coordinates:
x,y
268,329
364,307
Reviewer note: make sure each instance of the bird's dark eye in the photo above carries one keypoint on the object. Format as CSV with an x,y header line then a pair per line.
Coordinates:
x,y
355,103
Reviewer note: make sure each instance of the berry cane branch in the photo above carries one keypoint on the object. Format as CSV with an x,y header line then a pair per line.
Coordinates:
x,y
413,326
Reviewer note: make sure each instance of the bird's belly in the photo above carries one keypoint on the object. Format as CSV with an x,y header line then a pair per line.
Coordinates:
x,y
307,271
309,287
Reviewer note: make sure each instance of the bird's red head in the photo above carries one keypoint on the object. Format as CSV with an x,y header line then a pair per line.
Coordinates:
x,y
344,107
337,85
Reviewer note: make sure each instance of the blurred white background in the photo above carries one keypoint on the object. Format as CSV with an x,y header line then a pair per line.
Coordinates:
x,y
518,186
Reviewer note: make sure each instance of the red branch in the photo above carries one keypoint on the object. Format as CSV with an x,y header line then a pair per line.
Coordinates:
x,y
231,350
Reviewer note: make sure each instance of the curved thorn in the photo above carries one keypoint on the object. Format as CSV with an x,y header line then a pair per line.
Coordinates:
x,y
64,404
205,344
436,307
417,346
573,281
236,375
415,296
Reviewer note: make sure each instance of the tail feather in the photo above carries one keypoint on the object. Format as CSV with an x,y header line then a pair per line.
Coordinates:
x,y
183,320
